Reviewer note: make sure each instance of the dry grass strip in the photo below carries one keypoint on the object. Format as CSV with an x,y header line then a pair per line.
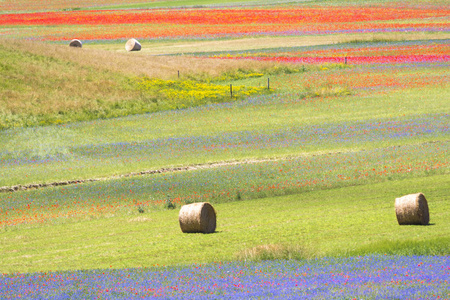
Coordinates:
x,y
139,64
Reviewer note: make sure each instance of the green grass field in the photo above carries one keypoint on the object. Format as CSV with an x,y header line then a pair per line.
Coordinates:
x,y
337,222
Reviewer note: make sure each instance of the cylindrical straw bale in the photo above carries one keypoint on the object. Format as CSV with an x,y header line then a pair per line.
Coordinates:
x,y
197,217
133,45
75,43
412,210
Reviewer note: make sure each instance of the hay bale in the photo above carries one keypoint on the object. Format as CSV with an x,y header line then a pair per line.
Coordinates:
x,y
197,217
132,45
412,210
76,43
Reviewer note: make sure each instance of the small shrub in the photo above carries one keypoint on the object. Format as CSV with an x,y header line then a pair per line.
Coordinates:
x,y
141,209
168,204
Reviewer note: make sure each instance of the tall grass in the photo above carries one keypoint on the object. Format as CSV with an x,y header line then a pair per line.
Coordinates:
x,y
134,64
35,77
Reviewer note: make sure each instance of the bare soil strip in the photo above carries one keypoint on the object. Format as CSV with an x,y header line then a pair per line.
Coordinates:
x,y
20,187
211,165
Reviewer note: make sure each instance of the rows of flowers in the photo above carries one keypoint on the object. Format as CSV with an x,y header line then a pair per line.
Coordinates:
x,y
356,48
170,31
63,159
140,152
382,75
367,277
413,58
348,53
305,138
151,24
221,16
374,277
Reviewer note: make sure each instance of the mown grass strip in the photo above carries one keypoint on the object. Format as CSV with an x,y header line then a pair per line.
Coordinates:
x,y
338,222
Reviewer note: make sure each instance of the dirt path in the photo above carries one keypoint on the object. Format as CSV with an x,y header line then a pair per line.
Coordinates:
x,y
20,187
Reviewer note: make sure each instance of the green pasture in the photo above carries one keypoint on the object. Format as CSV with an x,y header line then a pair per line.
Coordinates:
x,y
338,222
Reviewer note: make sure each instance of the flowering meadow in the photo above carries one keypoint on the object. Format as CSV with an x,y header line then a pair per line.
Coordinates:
x,y
213,23
228,183
302,161
367,277
405,52
330,109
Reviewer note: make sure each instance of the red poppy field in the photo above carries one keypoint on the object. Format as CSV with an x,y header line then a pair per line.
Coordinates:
x,y
210,23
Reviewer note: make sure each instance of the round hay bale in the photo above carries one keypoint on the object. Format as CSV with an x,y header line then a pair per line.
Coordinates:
x,y
76,43
197,217
412,210
132,45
